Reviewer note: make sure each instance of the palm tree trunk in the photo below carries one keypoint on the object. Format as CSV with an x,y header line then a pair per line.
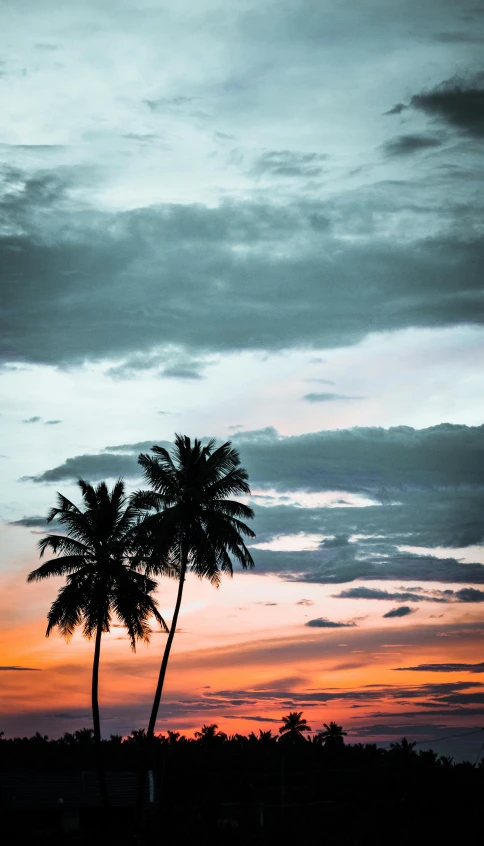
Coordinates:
x,y
166,655
159,689
95,716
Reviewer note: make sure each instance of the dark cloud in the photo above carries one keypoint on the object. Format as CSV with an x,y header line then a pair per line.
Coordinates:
x,y
469,595
425,695
397,109
405,145
402,611
114,285
52,422
305,602
459,102
20,669
423,489
355,460
442,596
445,668
328,397
289,163
256,719
459,37
93,468
32,420
323,623
34,522
180,373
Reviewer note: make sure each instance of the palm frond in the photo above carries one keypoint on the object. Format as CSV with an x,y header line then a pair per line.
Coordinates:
x,y
64,566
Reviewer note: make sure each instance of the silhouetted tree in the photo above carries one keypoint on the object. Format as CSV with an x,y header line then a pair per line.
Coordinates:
x,y
293,727
403,750
333,735
193,524
210,734
100,556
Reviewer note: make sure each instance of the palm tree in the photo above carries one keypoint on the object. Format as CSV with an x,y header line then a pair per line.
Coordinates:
x,y
293,727
266,738
333,736
194,526
210,734
100,556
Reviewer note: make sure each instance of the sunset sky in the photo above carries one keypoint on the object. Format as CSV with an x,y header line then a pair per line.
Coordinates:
x,y
259,222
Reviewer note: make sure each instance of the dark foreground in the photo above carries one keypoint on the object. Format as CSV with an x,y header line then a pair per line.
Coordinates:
x,y
243,793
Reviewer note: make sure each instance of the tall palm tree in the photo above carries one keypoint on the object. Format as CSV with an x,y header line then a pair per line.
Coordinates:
x,y
194,525
100,556
293,727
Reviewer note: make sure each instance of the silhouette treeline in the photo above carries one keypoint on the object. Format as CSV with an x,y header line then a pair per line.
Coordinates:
x,y
267,787
77,750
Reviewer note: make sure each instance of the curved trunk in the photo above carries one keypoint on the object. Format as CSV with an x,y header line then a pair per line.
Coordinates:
x,y
95,716
166,655
159,688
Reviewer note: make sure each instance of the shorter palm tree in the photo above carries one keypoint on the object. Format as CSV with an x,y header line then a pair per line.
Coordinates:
x,y
99,554
265,739
210,734
333,736
293,727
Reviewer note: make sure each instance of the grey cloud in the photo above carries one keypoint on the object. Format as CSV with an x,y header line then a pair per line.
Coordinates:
x,y
444,668
443,596
90,467
375,593
34,522
256,719
114,284
459,37
324,623
52,422
397,109
328,397
180,373
289,163
425,486
445,692
20,669
469,595
355,460
35,419
457,101
402,611
404,145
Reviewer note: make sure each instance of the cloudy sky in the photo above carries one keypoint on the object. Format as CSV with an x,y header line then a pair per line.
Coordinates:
x,y
262,222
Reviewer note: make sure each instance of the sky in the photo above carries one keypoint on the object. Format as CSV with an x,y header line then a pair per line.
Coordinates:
x,y
259,222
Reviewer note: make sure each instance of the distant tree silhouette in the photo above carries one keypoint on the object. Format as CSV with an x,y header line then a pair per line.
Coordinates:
x,y
175,737
265,738
333,735
403,750
209,734
100,556
293,727
194,525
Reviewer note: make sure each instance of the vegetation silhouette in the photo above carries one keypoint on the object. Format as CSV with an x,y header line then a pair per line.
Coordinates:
x,y
192,523
215,788
99,555
333,735
293,727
